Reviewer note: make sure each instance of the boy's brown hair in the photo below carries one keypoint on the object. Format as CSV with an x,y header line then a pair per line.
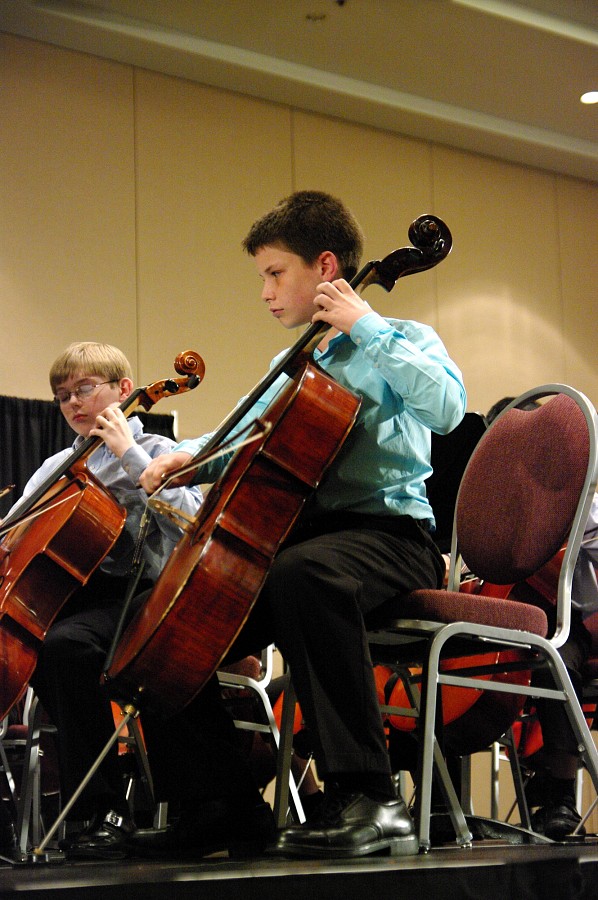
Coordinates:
x,y
308,223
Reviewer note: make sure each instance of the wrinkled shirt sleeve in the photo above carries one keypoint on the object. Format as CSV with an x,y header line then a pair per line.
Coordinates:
x,y
423,374
134,462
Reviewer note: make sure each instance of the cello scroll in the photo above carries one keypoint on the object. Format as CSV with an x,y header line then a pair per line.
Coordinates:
x,y
432,242
188,364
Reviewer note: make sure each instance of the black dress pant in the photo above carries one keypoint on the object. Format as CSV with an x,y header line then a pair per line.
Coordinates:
x,y
67,681
314,605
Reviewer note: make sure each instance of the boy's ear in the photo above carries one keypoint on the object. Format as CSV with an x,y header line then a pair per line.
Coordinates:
x,y
329,266
126,388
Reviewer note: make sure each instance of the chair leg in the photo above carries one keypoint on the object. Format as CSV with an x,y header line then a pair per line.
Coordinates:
x,y
585,743
465,785
494,779
142,761
285,782
431,762
588,813
463,835
518,781
161,816
578,787
8,776
28,805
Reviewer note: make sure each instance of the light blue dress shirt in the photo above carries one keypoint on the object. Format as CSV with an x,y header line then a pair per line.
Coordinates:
x,y
409,387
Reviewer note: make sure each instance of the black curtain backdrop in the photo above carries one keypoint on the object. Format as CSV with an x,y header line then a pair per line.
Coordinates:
x,y
32,430
450,455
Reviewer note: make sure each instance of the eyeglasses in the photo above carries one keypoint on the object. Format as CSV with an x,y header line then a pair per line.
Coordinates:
x,y
83,392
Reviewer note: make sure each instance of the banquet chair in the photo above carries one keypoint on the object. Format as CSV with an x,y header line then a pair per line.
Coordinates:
x,y
525,493
253,676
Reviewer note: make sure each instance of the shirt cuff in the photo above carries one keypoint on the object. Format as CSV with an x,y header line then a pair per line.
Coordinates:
x,y
368,327
135,461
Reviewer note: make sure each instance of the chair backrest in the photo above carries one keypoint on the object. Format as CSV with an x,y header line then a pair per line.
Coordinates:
x,y
527,491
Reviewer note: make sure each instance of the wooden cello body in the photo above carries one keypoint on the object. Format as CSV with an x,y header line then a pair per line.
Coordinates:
x,y
56,539
42,563
209,585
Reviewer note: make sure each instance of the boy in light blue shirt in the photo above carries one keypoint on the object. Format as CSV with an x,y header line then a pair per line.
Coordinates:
x,y
362,541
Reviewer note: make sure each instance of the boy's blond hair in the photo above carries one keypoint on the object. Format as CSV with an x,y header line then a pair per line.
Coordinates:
x,y
90,358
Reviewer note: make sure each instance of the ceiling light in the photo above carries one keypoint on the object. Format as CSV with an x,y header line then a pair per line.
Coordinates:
x,y
589,97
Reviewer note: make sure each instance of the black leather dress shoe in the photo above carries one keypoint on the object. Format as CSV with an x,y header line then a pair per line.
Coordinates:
x,y
244,829
106,837
351,824
557,820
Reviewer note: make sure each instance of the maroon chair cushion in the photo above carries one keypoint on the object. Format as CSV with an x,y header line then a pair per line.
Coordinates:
x,y
450,606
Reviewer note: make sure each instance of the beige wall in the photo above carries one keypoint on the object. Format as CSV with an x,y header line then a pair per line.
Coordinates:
x,y
126,194
67,209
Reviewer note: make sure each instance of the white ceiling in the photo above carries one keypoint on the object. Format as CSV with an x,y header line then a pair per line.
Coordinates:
x,y
496,77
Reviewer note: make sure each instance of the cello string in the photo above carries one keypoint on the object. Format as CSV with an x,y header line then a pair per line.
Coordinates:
x,y
198,461
39,511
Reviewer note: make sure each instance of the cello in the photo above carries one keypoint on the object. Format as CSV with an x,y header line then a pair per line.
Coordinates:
x,y
213,577
56,538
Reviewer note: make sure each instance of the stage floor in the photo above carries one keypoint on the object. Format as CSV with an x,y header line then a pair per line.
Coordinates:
x,y
487,871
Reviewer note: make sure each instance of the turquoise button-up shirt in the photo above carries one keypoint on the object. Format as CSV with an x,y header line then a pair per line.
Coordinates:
x,y
409,387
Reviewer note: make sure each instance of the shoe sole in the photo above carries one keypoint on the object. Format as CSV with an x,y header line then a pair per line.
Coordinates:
x,y
408,846
91,853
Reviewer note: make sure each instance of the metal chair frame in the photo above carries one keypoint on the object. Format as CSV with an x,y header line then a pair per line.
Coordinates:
x,y
27,796
287,800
